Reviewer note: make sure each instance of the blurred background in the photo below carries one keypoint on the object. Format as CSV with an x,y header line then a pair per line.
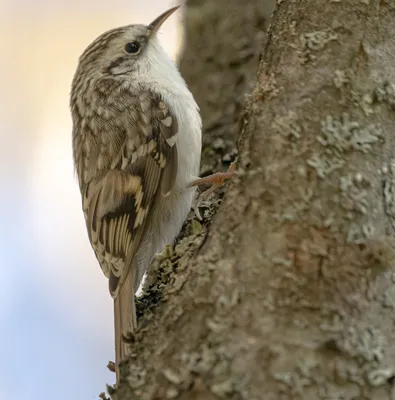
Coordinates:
x,y
56,327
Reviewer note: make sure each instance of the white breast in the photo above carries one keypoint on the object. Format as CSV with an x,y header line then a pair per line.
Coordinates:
x,y
167,219
175,208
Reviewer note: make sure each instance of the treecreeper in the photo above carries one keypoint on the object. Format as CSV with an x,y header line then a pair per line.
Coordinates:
x,y
136,147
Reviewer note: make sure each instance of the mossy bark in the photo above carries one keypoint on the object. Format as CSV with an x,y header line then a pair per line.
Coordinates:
x,y
290,292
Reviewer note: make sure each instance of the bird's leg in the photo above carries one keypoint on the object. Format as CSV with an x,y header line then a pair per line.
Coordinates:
x,y
216,180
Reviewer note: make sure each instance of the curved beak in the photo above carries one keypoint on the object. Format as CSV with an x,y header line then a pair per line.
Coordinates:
x,y
157,22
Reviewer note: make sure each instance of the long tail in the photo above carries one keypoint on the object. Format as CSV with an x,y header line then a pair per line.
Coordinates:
x,y
124,318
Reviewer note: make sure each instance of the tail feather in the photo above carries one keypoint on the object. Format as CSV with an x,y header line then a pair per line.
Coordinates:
x,y
124,318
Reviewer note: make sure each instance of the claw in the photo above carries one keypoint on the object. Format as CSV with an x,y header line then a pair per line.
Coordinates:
x,y
216,180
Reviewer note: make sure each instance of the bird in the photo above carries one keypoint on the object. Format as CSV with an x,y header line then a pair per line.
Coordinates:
x,y
136,142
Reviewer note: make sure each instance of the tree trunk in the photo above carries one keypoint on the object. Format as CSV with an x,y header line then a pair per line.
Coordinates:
x,y
292,292
223,43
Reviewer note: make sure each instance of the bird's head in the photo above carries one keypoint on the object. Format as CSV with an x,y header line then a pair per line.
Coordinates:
x,y
124,50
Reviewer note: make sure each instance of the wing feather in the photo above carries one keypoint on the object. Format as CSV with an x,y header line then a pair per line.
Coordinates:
x,y
122,168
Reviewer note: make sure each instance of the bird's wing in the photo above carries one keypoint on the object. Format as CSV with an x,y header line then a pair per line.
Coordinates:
x,y
129,161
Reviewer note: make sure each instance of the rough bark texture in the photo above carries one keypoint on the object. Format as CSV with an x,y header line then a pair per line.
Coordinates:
x,y
292,293
223,42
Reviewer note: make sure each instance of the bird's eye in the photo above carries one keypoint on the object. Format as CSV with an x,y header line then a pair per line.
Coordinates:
x,y
132,47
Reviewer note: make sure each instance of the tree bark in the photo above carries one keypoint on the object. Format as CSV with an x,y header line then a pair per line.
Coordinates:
x,y
223,43
291,294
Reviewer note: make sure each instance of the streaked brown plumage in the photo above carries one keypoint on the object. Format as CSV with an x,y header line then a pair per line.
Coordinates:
x,y
136,149
132,114
121,170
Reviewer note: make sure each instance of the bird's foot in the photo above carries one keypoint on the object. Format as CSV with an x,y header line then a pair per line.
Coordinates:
x,y
216,180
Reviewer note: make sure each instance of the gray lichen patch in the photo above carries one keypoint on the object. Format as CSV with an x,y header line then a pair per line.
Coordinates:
x,y
200,361
380,377
359,233
287,125
136,376
342,78
344,134
301,377
317,40
364,101
386,94
362,98
313,42
365,343
355,189
324,165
